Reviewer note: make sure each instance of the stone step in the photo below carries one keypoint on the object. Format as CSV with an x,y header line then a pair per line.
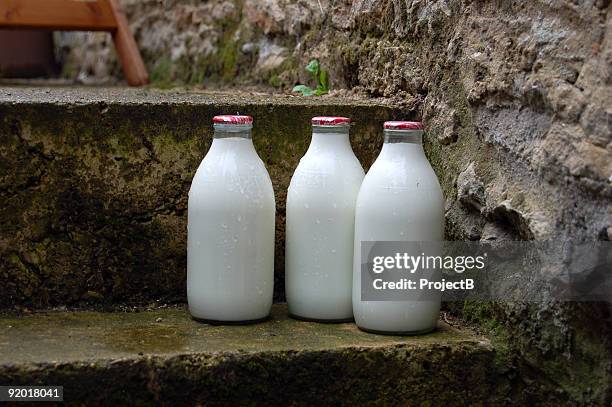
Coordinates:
x,y
163,356
94,182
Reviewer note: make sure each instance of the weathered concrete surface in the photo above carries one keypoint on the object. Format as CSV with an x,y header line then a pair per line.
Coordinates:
x,y
85,336
94,184
163,356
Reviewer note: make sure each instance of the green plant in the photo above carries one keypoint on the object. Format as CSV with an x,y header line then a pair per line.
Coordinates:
x,y
161,75
319,75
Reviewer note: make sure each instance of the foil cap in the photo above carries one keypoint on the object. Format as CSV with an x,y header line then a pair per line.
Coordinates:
x,y
233,119
403,125
330,121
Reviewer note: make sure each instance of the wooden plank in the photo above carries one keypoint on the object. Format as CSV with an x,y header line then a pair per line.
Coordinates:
x,y
134,69
85,15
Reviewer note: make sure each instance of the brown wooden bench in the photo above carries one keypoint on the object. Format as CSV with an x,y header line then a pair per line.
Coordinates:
x,y
79,15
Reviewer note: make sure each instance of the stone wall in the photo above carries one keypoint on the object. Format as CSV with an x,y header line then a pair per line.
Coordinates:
x,y
94,185
516,97
528,83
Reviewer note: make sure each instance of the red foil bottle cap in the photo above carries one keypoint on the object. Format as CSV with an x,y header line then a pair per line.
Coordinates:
x,y
330,121
232,119
403,125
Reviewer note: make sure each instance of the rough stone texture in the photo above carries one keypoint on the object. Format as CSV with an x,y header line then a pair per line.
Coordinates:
x,y
94,183
194,42
162,356
85,335
524,89
516,97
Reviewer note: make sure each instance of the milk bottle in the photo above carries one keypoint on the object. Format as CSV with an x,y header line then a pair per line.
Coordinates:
x,y
400,200
230,244
320,225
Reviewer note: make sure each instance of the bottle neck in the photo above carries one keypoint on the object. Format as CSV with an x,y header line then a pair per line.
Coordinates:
x,y
329,137
401,145
223,131
403,136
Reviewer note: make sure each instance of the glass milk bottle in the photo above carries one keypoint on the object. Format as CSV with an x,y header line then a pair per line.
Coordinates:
x,y
320,225
230,244
400,200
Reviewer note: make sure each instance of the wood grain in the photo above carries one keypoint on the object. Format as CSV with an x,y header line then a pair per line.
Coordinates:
x,y
134,69
86,15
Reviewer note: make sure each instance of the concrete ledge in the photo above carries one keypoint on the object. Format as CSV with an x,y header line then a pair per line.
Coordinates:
x,y
94,182
164,356
79,96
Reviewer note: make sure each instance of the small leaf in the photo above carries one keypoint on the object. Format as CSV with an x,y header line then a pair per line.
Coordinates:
x,y
313,67
304,90
320,91
324,80
308,92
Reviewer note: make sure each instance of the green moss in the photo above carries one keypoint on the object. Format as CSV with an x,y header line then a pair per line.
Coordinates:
x,y
286,74
275,81
106,223
163,355
228,55
161,75
449,161
198,72
536,351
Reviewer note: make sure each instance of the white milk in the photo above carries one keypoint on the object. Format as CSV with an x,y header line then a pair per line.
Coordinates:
x,y
320,225
400,200
231,214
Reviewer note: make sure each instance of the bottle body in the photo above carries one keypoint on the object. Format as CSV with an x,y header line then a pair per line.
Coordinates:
x,y
400,200
230,246
320,228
